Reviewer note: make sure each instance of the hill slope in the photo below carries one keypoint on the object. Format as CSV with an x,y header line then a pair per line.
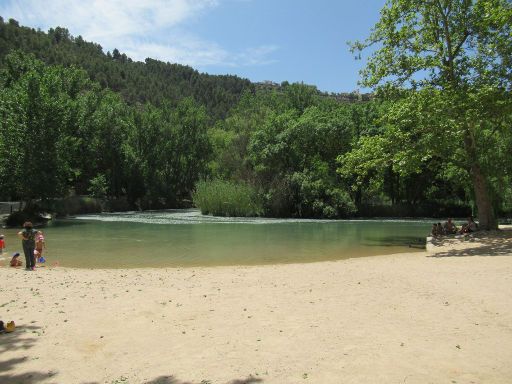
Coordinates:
x,y
138,82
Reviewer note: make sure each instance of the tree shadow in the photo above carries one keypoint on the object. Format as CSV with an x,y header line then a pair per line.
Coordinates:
x,y
14,342
173,380
484,243
396,241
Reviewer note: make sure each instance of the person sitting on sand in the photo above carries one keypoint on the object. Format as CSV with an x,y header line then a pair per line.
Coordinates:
x,y
435,231
449,227
469,227
15,262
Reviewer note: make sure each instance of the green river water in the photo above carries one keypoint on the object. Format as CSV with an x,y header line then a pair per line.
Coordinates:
x,y
186,238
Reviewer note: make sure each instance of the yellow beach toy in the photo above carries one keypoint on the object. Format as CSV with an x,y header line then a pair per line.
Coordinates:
x,y
10,327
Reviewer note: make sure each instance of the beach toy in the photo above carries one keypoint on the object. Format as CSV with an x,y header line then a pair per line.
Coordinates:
x,y
41,259
10,327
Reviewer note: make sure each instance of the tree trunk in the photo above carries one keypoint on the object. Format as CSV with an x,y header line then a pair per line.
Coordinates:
x,y
486,217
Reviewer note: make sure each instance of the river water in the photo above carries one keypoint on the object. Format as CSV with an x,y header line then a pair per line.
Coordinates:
x,y
186,238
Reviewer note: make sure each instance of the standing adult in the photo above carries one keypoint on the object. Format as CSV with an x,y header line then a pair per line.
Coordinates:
x,y
28,241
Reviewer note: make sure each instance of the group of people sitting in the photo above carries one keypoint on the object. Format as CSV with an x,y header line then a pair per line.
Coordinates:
x,y
449,228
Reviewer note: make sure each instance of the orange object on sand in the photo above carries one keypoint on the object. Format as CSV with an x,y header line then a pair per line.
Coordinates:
x,y
10,327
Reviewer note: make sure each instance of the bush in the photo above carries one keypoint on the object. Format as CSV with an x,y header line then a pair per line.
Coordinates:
x,y
308,194
424,209
16,219
74,205
341,202
34,214
98,186
225,198
119,204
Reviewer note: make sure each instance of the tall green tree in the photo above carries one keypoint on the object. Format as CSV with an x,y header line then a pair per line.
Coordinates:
x,y
447,65
35,108
167,152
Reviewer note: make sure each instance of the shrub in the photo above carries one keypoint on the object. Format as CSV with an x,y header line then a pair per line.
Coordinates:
x,y
16,219
225,198
98,186
74,205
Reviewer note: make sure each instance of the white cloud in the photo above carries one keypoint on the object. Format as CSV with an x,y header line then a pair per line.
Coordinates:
x,y
257,55
113,18
196,52
140,28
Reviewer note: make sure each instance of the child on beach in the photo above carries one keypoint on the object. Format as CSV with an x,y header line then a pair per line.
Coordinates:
x,y
40,245
15,262
2,244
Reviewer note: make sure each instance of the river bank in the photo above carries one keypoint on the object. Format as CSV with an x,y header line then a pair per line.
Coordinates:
x,y
439,316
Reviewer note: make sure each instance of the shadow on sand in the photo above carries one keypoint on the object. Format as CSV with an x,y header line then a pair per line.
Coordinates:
x,y
492,243
16,341
396,241
172,380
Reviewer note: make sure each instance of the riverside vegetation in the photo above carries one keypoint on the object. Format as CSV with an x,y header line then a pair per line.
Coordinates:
x,y
435,137
225,198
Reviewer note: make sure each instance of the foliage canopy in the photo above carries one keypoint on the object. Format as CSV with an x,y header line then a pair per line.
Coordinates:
x,y
444,67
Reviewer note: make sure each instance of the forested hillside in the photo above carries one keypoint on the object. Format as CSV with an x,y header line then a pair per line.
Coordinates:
x,y
152,81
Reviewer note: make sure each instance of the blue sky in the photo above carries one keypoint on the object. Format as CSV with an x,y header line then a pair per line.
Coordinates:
x,y
277,40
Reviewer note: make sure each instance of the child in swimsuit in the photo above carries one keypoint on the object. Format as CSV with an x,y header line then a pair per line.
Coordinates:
x,y
15,262
40,245
2,244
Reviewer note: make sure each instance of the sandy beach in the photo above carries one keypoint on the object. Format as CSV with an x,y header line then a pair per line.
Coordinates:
x,y
439,316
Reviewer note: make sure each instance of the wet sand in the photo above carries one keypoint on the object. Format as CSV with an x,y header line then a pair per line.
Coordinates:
x,y
443,316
